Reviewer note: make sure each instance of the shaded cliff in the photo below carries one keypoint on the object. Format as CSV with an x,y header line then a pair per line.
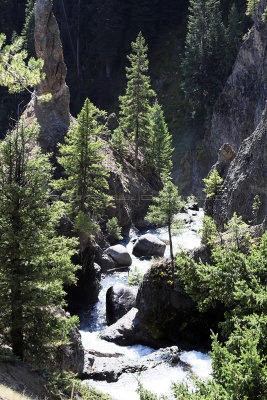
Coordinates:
x,y
244,178
238,110
53,116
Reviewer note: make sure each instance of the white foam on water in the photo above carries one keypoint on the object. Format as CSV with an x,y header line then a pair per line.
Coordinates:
x,y
158,380
91,341
200,363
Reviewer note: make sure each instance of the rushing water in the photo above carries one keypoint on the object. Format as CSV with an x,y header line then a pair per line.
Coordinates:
x,y
158,379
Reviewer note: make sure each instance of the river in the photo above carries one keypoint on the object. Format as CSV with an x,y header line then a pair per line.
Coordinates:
x,y
160,378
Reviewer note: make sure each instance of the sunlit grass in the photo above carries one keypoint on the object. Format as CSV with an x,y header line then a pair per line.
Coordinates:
x,y
9,394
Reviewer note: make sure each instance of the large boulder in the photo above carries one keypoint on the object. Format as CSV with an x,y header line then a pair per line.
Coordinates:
x,y
128,331
110,367
120,255
119,300
149,245
167,312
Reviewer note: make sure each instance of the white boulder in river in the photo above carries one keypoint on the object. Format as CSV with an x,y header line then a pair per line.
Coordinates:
x,y
120,255
149,245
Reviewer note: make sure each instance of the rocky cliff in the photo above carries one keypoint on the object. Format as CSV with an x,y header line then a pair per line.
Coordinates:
x,y
244,178
53,116
238,110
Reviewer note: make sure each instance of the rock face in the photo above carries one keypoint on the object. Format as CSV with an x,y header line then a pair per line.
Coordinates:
x,y
53,116
119,300
112,122
128,331
149,245
110,368
120,255
239,108
168,312
131,190
246,177
71,356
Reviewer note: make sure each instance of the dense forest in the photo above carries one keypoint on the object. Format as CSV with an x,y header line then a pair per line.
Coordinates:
x,y
121,96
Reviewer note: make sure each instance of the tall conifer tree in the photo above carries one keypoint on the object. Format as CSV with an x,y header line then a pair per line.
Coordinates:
x,y
134,105
162,212
158,149
28,28
34,263
204,58
85,186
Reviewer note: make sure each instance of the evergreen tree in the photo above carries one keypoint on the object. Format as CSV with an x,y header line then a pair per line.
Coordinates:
x,y
28,28
167,204
15,73
203,63
134,105
252,6
159,150
113,229
212,183
119,143
234,33
34,263
85,185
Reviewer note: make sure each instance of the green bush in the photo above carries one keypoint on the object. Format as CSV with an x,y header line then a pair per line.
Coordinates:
x,y
212,183
113,229
135,277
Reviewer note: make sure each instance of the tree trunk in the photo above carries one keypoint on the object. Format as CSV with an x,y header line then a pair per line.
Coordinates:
x,y
136,142
16,320
171,249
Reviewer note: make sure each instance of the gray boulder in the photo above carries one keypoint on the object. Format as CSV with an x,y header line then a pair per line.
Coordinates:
x,y
168,313
120,255
119,300
112,122
128,331
106,262
149,245
110,368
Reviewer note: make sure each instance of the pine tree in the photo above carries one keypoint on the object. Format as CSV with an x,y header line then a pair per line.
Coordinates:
x,y
85,186
159,150
15,73
34,263
203,63
134,105
28,28
252,6
234,33
167,204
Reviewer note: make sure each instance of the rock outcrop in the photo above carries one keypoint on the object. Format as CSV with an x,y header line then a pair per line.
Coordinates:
x,y
128,331
246,176
131,190
110,368
239,108
53,116
167,312
149,245
119,255
119,300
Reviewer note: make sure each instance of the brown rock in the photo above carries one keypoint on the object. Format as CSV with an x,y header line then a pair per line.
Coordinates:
x,y
53,116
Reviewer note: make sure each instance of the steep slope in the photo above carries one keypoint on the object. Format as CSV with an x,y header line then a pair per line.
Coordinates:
x,y
238,110
246,177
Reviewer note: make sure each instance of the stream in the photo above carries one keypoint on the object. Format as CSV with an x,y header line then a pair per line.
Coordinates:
x,y
160,378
